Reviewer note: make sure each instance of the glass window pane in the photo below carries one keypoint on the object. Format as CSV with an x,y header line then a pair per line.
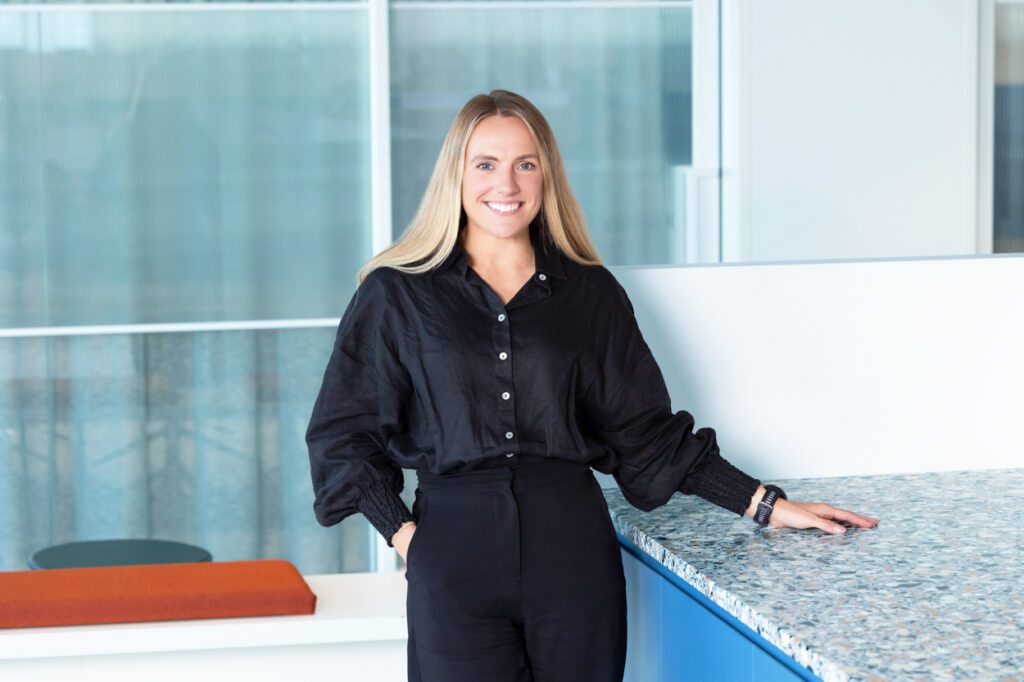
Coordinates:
x,y
833,149
615,84
195,437
176,165
1008,174
22,238
182,165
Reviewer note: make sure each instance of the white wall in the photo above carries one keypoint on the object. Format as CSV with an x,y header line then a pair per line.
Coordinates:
x,y
849,129
844,368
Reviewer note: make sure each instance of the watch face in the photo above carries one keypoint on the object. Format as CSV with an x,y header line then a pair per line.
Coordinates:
x,y
766,505
764,510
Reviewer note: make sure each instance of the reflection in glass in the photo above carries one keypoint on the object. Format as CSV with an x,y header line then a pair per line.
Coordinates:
x,y
181,165
1008,148
615,84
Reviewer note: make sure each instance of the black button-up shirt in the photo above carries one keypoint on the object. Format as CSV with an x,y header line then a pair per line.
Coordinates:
x,y
432,371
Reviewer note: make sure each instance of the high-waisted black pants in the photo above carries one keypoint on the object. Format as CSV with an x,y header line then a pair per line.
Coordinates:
x,y
515,573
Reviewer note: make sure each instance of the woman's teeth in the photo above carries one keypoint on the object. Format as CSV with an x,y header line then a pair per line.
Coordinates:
x,y
504,208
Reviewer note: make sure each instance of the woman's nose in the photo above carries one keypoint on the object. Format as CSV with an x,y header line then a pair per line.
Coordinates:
x,y
507,182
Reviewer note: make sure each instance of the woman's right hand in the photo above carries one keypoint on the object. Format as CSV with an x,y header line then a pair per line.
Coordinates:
x,y
400,540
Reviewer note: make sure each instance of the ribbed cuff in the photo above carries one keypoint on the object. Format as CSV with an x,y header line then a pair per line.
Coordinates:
x,y
384,509
719,482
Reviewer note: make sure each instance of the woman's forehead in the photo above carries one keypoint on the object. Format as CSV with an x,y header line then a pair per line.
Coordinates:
x,y
500,137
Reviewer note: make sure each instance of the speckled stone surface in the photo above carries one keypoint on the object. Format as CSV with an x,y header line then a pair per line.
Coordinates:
x,y
934,592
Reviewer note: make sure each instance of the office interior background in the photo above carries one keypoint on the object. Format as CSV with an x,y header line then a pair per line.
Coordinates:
x,y
187,190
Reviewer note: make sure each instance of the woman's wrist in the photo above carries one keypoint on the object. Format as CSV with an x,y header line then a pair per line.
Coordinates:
x,y
401,529
752,507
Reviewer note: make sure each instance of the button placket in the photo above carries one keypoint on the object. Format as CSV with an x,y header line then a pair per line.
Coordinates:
x,y
504,388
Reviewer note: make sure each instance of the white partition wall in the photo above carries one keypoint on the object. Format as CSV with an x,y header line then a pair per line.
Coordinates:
x,y
851,368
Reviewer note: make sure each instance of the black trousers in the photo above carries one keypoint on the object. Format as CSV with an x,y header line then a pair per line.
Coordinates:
x,y
514,573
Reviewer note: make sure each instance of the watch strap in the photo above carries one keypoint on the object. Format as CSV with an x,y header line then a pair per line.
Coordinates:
x,y
767,504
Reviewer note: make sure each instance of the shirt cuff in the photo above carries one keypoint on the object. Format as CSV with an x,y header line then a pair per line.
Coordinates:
x,y
384,509
719,482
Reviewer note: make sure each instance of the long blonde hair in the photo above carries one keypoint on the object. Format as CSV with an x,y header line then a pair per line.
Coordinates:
x,y
434,230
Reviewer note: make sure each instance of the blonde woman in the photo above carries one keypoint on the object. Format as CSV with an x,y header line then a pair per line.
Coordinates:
x,y
491,351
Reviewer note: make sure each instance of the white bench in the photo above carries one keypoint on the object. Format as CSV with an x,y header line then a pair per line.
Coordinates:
x,y
357,633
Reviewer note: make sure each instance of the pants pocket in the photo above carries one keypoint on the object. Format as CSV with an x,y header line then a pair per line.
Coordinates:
x,y
419,507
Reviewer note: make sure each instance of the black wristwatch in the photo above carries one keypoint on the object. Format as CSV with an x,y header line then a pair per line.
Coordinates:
x,y
767,504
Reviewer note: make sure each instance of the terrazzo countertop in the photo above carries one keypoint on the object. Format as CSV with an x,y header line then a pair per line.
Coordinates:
x,y
934,592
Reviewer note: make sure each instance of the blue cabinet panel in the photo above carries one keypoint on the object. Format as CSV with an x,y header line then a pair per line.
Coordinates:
x,y
767,669
674,636
696,644
643,647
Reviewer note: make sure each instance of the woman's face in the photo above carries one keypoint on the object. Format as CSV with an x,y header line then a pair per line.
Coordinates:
x,y
501,180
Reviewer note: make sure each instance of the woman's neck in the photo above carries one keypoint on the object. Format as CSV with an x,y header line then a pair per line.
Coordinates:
x,y
492,254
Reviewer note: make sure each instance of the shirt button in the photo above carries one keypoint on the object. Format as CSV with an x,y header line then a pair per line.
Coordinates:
x,y
502,355
510,454
542,277
506,395
501,317
508,434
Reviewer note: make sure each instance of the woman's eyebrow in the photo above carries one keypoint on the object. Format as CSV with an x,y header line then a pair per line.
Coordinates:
x,y
495,158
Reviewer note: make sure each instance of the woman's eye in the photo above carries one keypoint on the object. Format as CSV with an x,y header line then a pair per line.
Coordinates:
x,y
529,163
483,164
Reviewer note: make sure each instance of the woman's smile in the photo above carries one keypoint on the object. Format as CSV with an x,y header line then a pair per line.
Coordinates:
x,y
504,209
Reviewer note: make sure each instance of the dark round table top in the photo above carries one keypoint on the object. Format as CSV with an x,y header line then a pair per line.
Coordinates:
x,y
117,553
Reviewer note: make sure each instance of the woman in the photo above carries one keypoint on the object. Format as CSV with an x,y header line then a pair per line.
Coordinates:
x,y
489,350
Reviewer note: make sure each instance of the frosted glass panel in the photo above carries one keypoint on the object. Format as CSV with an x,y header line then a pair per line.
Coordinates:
x,y
615,84
836,146
1008,174
181,165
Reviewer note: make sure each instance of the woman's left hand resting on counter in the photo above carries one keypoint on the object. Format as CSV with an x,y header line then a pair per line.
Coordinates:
x,y
793,514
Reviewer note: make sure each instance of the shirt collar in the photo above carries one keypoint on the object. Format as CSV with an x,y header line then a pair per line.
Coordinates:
x,y
548,258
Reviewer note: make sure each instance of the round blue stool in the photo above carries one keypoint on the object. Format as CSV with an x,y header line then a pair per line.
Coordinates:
x,y
91,553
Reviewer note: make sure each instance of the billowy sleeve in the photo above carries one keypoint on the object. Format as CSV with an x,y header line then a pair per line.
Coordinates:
x,y
361,405
629,408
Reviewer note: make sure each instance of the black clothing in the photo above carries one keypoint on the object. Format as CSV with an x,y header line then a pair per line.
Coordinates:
x,y
498,593
432,372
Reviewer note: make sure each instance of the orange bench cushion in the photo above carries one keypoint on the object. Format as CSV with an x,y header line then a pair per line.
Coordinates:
x,y
126,594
